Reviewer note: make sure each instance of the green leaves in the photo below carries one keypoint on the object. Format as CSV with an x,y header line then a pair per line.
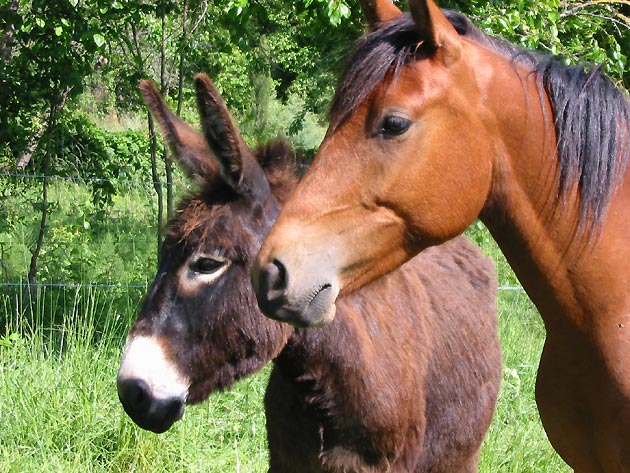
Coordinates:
x,y
337,11
593,32
99,39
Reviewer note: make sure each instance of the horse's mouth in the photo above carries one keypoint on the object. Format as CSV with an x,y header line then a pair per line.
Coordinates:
x,y
317,310
318,303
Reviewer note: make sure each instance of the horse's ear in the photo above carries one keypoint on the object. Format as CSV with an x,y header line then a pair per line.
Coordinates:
x,y
221,134
378,11
187,144
435,28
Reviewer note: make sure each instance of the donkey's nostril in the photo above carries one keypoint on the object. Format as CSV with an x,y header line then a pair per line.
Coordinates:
x,y
134,395
149,412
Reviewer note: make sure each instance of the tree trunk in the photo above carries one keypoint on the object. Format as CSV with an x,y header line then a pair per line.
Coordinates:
x,y
168,162
30,295
50,128
6,42
25,157
157,184
182,54
32,271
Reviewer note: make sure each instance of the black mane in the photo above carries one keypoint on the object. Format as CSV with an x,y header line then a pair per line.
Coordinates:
x,y
592,117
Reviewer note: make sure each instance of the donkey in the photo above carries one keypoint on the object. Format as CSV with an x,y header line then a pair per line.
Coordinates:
x,y
404,379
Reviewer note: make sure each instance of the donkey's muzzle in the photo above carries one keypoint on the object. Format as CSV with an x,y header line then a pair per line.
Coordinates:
x,y
146,410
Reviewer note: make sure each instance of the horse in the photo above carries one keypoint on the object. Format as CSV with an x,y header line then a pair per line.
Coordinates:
x,y
405,379
435,124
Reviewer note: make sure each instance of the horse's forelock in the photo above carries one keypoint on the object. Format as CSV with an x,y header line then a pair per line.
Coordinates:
x,y
380,54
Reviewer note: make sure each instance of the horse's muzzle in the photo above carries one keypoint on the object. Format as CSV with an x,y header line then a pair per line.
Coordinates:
x,y
312,305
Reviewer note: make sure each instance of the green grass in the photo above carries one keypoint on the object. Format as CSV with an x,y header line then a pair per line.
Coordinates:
x,y
59,409
516,442
60,349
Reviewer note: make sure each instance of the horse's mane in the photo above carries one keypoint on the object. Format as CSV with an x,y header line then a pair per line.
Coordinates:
x,y
592,117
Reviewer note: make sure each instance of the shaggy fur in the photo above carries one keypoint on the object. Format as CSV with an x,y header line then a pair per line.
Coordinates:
x,y
405,378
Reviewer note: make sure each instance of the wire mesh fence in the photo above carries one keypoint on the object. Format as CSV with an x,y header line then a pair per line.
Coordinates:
x,y
89,244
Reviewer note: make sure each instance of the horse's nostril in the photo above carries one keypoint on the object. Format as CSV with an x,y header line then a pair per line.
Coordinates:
x,y
280,283
273,280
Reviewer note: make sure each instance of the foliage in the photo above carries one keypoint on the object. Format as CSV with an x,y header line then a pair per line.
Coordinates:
x,y
105,159
593,32
81,244
109,46
51,49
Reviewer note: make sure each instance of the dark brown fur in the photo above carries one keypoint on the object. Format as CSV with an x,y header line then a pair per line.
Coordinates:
x,y
404,379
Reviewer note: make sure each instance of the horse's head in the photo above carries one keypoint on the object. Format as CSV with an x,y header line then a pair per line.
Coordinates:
x,y
405,164
199,328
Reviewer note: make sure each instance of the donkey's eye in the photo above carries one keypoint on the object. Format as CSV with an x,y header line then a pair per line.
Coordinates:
x,y
394,125
206,265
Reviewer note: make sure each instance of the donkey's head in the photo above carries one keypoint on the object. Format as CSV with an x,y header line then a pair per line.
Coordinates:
x,y
199,328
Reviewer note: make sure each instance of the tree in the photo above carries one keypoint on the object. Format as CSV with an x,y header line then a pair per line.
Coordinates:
x,y
592,31
50,46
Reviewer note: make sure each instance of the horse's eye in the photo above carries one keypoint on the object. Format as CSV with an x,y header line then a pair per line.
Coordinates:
x,y
394,125
206,265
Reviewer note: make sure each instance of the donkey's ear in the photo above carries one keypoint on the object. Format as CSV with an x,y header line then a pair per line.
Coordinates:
x,y
435,28
219,130
187,144
378,11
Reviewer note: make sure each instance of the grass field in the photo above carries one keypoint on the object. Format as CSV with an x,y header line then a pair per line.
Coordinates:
x,y
59,409
59,353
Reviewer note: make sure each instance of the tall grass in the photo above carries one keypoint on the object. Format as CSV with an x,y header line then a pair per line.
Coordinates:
x,y
59,409
516,442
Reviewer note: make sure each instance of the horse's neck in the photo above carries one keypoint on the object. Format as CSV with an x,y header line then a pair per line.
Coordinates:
x,y
569,277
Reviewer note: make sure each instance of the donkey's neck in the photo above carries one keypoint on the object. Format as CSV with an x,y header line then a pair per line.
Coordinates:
x,y
321,364
334,371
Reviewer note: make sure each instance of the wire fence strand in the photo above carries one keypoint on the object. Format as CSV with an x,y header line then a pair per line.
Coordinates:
x,y
58,177
74,246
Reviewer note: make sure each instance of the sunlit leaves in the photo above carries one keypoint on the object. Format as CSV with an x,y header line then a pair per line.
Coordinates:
x,y
99,39
593,32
